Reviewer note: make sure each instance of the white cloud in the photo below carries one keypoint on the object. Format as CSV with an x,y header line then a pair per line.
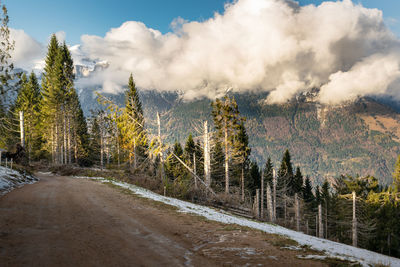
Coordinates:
x,y
255,45
28,53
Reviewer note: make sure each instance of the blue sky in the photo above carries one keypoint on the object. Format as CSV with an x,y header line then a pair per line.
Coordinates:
x,y
40,18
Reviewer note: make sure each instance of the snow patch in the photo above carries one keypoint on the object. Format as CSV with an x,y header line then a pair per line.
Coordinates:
x,y
330,248
11,179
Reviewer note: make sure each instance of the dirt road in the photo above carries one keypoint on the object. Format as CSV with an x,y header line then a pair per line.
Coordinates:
x,y
61,221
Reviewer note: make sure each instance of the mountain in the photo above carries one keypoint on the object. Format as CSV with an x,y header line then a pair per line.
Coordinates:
x,y
355,138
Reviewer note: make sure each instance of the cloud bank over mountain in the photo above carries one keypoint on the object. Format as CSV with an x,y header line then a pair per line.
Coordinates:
x,y
255,45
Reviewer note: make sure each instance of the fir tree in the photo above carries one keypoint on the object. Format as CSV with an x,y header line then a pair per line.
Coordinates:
x,y
28,101
190,149
133,133
297,181
285,176
217,165
268,172
226,120
308,195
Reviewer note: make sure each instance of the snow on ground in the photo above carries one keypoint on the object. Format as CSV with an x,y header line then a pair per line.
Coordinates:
x,y
10,179
330,248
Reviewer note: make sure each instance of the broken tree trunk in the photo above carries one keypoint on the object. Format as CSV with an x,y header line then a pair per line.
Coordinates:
x,y
22,129
262,195
194,170
297,211
274,194
269,204
320,225
207,158
161,147
354,226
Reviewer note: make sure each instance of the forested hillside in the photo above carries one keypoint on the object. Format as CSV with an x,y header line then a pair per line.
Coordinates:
x,y
358,138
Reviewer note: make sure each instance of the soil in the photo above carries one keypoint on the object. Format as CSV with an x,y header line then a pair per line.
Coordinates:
x,y
61,221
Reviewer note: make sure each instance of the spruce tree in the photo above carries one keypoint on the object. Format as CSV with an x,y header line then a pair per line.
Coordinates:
x,y
28,101
268,172
285,175
133,133
297,181
226,120
190,149
217,165
308,195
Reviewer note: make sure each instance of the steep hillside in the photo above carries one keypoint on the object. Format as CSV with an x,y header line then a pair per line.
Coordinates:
x,y
325,141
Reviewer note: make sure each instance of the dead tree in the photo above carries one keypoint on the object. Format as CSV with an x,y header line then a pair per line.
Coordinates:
x,y
354,224
297,211
269,204
320,225
262,195
207,158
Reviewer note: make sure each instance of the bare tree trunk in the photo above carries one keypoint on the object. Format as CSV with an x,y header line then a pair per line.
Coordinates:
x,y
297,211
226,158
65,139
242,180
69,140
262,194
207,158
284,207
22,128
53,159
194,170
57,144
101,149
257,204
274,193
354,225
269,204
134,155
321,228
162,173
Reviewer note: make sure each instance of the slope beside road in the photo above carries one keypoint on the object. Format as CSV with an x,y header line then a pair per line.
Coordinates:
x,y
61,221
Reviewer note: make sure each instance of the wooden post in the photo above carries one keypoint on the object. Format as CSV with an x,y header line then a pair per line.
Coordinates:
x,y
22,129
194,170
207,159
320,225
161,147
297,211
262,195
274,193
11,163
354,226
269,204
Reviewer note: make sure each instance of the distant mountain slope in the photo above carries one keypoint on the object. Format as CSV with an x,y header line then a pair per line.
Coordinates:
x,y
325,141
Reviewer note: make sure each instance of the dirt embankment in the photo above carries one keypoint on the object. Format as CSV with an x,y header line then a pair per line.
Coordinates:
x,y
61,221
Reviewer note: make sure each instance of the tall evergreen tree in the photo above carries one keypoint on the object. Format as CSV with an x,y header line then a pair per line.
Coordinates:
x,y
28,101
226,120
297,181
190,149
285,176
133,133
217,165
268,172
308,195
241,153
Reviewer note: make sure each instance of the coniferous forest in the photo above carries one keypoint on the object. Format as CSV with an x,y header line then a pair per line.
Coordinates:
x,y
42,124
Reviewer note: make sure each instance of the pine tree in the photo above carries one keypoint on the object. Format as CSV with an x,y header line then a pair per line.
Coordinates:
x,y
254,180
241,153
308,195
28,101
190,149
285,176
396,175
217,165
6,47
226,120
297,181
133,133
268,172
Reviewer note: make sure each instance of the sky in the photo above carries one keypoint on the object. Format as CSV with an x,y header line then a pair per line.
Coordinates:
x,y
205,48
41,18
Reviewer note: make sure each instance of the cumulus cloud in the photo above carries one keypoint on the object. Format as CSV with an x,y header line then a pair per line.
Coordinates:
x,y
254,45
28,53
